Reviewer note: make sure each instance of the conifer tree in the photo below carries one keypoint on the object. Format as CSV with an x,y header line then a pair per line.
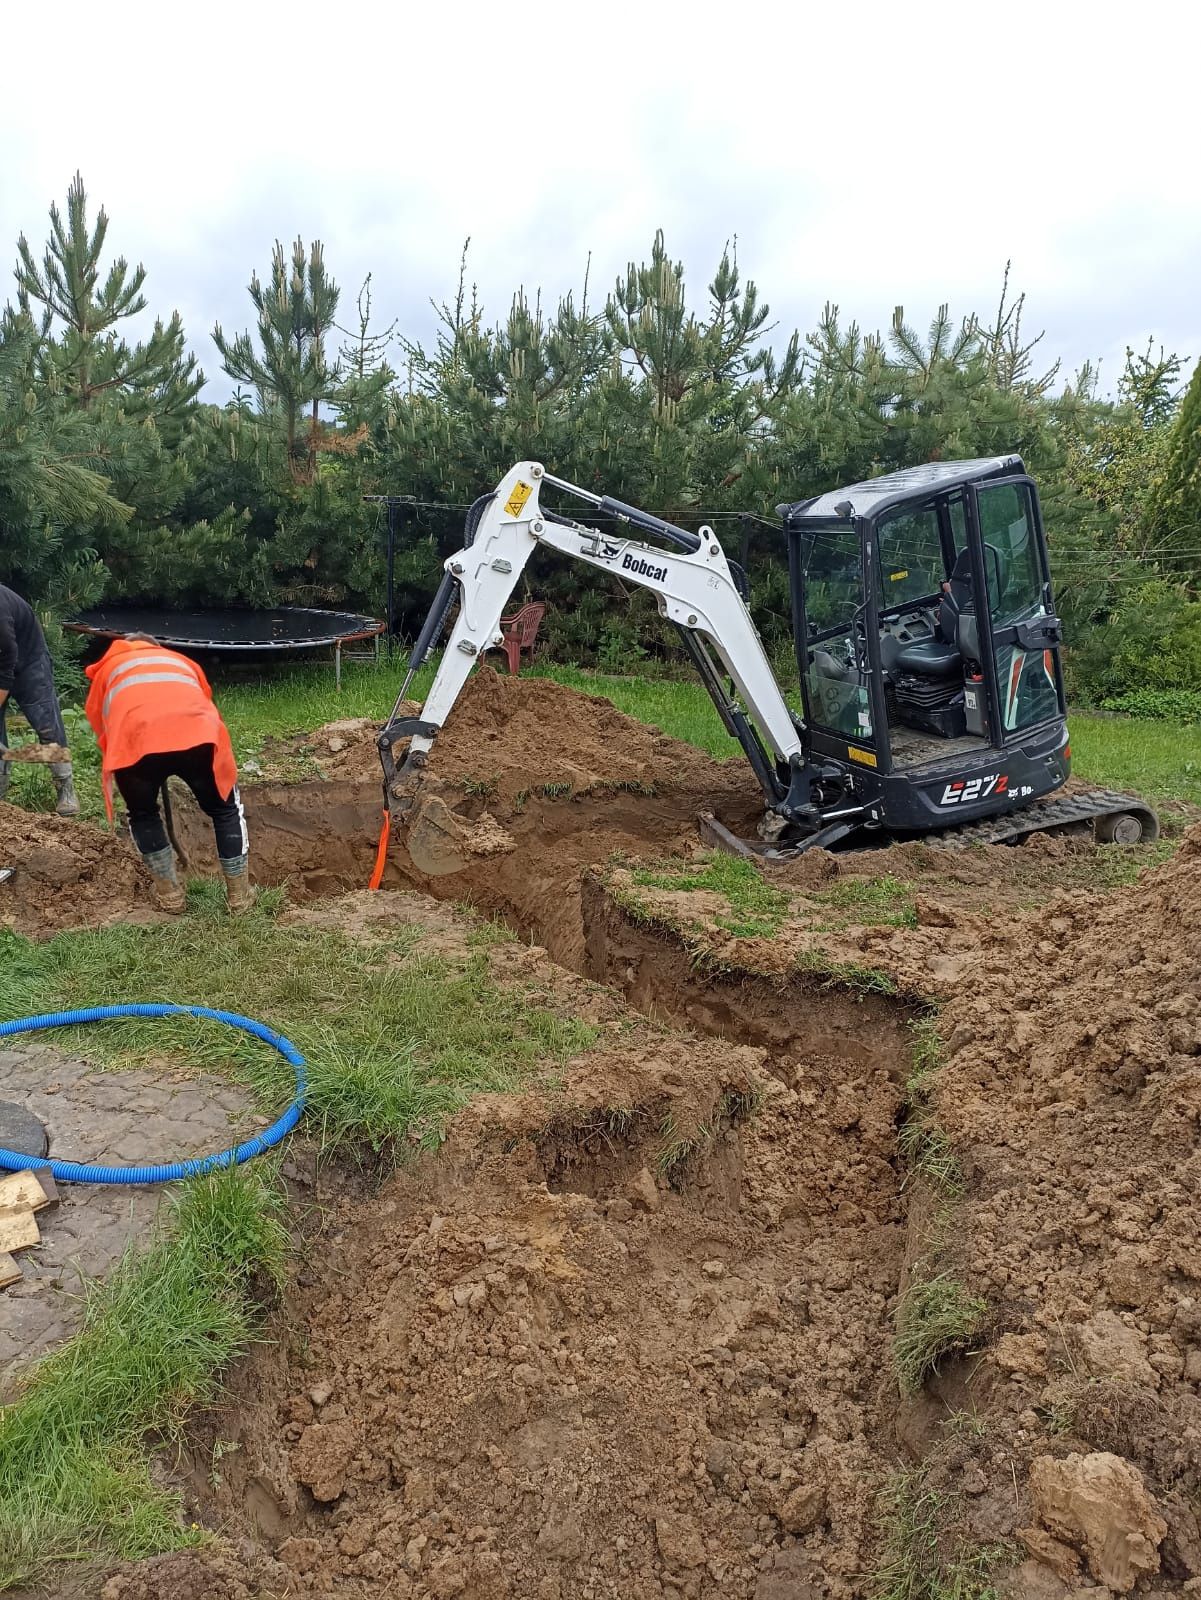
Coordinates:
x,y
52,504
1177,509
82,306
291,371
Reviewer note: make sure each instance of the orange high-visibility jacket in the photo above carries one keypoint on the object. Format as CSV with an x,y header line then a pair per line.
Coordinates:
x,y
146,700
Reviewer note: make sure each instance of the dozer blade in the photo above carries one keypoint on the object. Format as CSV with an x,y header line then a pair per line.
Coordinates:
x,y
719,837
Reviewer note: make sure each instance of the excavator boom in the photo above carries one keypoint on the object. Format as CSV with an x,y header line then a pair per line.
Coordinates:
x,y
695,589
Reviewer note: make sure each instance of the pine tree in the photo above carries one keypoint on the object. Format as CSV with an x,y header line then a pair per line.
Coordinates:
x,y
52,504
1177,507
296,311
82,351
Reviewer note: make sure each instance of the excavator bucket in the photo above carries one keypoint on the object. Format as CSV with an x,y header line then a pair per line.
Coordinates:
x,y
433,837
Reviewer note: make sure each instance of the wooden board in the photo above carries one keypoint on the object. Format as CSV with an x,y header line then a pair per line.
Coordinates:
x,y
10,1272
31,1189
17,1229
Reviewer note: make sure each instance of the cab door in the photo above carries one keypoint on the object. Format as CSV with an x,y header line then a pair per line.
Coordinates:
x,y
1023,628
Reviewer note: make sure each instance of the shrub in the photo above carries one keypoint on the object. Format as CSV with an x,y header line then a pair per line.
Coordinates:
x,y
1172,705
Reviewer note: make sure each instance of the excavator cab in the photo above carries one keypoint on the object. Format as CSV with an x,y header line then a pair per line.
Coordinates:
x,y
927,641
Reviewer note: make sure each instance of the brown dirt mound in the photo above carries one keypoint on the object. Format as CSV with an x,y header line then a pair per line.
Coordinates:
x,y
1073,1090
516,735
68,874
516,743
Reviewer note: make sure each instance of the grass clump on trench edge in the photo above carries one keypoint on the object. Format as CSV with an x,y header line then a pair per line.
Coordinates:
x,y
395,1039
937,1315
74,1479
886,901
757,910
922,1558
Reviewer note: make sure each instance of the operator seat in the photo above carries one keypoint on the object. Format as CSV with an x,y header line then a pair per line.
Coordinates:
x,y
940,656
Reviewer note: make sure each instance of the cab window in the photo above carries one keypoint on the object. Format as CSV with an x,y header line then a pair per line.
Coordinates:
x,y
910,558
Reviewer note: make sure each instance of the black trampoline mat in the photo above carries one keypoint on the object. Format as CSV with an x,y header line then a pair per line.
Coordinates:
x,y
286,628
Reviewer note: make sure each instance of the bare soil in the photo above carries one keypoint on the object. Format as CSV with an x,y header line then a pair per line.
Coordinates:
x,y
633,1336
67,874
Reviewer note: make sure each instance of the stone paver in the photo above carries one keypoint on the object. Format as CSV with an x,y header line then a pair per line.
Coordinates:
x,y
106,1117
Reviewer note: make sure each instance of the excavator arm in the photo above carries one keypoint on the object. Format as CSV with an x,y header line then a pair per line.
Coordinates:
x,y
692,583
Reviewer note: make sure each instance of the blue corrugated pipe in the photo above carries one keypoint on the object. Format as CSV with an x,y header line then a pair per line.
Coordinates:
x,y
82,1172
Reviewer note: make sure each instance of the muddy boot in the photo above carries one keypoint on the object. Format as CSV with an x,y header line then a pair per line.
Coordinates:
x,y
64,782
239,896
168,891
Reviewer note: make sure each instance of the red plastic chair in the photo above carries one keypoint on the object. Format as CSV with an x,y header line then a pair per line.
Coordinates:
x,y
520,631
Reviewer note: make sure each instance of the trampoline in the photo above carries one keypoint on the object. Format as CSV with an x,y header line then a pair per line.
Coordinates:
x,y
234,631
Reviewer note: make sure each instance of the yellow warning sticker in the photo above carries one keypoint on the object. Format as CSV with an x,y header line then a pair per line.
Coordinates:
x,y
864,757
515,504
895,577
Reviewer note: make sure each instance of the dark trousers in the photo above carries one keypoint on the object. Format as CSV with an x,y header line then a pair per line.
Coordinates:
x,y
33,692
141,784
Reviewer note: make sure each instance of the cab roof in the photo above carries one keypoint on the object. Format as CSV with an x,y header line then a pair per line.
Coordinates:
x,y
911,483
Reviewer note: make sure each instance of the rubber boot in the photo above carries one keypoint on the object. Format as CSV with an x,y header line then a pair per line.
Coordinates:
x,y
64,782
239,895
5,769
168,891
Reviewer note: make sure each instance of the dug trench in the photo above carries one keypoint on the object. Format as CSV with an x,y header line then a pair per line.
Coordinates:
x,y
626,1338
633,1336
629,1338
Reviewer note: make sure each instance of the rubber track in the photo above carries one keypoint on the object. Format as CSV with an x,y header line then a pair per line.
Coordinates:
x,y
1048,816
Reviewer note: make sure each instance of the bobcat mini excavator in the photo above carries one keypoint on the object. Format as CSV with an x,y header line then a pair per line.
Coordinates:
x,y
927,647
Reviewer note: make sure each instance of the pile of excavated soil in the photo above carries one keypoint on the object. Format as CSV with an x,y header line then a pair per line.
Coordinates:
x,y
67,874
1073,1091
623,1340
516,735
528,784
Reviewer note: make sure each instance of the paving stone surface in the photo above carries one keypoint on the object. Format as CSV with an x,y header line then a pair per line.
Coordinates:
x,y
107,1117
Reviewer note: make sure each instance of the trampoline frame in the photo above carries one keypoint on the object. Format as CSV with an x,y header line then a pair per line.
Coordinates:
x,y
234,647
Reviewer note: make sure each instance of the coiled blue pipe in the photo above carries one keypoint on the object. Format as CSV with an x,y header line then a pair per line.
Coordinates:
x,y
168,1172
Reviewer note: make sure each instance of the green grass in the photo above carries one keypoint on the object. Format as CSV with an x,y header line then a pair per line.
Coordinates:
x,y
73,1477
923,1559
756,908
396,1039
1158,760
924,1145
936,1317
886,900
848,974
928,1153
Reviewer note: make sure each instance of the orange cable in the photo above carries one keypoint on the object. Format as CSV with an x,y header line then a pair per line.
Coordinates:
x,y
381,853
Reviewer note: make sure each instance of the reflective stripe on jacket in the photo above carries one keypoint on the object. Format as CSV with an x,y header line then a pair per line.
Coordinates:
x,y
146,700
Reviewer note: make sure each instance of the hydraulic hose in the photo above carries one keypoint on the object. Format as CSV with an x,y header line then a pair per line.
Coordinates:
x,y
166,1172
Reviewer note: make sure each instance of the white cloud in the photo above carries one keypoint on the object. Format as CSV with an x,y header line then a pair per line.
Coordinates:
x,y
868,154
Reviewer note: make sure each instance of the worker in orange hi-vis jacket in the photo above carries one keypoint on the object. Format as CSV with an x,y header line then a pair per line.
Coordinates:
x,y
153,715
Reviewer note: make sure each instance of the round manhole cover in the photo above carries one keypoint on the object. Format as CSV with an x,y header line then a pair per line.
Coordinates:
x,y
21,1131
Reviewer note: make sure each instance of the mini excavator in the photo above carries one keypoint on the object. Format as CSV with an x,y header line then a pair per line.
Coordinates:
x,y
930,695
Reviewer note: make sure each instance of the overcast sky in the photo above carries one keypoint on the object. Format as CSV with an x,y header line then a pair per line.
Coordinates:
x,y
869,154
